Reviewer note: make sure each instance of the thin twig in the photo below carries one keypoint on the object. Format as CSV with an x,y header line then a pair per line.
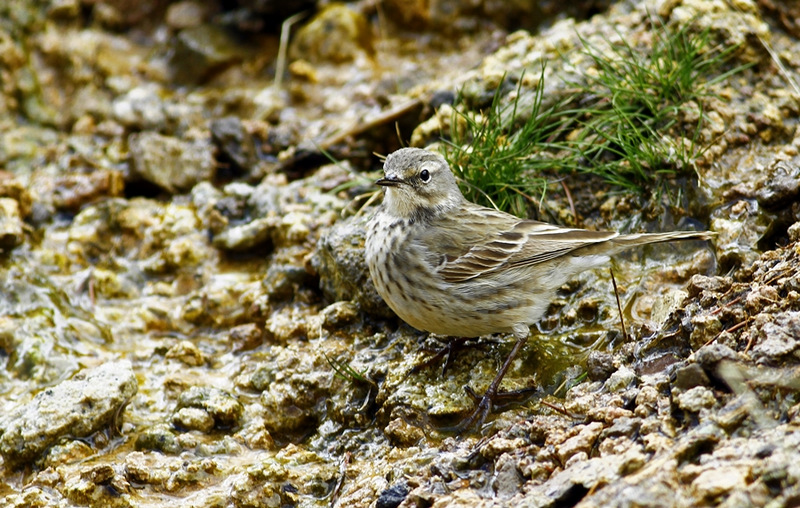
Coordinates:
x,y
619,306
569,199
283,48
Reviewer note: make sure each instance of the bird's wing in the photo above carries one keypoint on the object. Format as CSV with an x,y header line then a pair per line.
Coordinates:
x,y
493,241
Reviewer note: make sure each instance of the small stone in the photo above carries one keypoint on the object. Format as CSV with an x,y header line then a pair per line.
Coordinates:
x,y
159,438
393,496
336,34
223,408
700,283
689,376
200,51
246,236
794,232
193,418
234,144
600,365
12,187
171,163
666,304
11,230
620,379
187,353
705,328
583,442
715,482
781,186
401,433
339,314
245,337
140,108
709,356
779,336
696,399
185,14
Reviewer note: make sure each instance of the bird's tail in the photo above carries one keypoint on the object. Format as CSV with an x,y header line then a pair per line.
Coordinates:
x,y
627,241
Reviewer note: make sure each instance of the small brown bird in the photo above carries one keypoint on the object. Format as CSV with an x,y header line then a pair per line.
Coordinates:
x,y
450,267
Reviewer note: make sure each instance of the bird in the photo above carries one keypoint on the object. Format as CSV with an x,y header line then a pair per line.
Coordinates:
x,y
454,268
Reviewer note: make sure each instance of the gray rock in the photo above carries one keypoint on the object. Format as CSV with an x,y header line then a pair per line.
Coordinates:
x,y
778,337
140,108
172,164
225,410
11,234
781,187
342,268
235,144
689,376
600,365
74,408
200,51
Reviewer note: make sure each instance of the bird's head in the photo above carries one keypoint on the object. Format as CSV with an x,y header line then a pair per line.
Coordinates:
x,y
418,182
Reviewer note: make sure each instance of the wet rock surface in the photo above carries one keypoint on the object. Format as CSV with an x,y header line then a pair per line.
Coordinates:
x,y
186,318
76,408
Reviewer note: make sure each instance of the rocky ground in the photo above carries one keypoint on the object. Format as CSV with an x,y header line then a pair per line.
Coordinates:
x,y
186,318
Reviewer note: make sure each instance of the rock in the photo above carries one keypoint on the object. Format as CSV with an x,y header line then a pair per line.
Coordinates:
x,y
170,163
193,418
666,304
781,186
187,353
711,355
74,190
600,365
712,483
794,232
778,337
222,407
11,187
282,281
342,268
336,34
246,236
507,479
159,438
689,376
705,328
245,337
185,14
696,399
141,108
620,379
74,408
235,145
200,51
582,442
11,231
393,496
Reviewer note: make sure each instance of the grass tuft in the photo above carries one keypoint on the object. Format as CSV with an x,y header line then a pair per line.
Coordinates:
x,y
627,123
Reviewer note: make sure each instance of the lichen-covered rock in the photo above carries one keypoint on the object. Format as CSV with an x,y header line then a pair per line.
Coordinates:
x,y
224,410
11,231
173,164
74,408
342,268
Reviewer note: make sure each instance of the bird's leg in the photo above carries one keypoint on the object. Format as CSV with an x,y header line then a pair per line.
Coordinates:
x,y
486,403
446,353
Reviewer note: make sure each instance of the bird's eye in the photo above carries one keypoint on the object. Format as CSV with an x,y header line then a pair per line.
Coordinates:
x,y
425,176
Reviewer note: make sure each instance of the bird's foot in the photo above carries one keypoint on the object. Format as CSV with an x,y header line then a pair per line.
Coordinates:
x,y
446,353
493,401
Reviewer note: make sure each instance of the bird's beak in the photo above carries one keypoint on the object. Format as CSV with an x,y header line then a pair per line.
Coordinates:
x,y
389,181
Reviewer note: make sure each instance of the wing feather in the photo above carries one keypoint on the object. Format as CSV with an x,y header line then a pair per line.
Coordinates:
x,y
497,241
